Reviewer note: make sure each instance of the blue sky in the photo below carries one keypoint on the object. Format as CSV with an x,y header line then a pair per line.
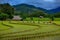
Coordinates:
x,y
47,4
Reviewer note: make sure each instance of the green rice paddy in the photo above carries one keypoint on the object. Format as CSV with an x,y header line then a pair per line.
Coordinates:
x,y
27,30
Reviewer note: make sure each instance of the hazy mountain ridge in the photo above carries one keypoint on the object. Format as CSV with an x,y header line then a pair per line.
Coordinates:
x,y
56,10
26,8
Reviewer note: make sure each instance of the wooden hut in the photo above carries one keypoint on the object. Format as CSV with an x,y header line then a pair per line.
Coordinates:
x,y
16,17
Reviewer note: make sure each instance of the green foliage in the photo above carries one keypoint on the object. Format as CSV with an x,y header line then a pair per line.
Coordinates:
x,y
23,16
57,14
51,17
3,16
7,9
10,16
31,18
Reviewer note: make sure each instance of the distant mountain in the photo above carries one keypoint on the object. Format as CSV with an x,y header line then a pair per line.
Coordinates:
x,y
54,10
25,5
30,8
27,8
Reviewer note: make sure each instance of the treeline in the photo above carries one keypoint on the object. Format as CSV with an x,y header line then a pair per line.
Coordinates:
x,y
57,15
6,11
39,13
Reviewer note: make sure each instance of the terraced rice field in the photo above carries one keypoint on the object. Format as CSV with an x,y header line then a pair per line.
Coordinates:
x,y
18,30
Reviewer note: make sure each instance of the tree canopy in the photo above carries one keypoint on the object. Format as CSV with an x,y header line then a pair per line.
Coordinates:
x,y
7,10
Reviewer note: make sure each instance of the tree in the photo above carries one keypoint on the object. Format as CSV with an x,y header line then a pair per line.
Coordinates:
x,y
57,14
3,16
51,18
23,16
7,9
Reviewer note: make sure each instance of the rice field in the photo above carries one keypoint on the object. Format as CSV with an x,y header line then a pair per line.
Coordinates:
x,y
27,30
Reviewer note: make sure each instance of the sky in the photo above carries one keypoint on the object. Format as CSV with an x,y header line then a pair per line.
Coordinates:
x,y
47,4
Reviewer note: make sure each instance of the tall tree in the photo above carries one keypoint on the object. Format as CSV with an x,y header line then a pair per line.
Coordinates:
x,y
7,9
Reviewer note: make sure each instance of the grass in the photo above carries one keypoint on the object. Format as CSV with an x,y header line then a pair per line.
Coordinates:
x,y
42,19
3,27
27,29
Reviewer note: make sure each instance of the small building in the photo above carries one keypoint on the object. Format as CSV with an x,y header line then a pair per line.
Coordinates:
x,y
16,17
41,17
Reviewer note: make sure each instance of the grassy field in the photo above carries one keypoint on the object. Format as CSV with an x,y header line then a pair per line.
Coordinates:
x,y
42,19
19,30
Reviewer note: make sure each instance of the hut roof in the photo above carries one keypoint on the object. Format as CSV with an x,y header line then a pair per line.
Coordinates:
x,y
17,18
